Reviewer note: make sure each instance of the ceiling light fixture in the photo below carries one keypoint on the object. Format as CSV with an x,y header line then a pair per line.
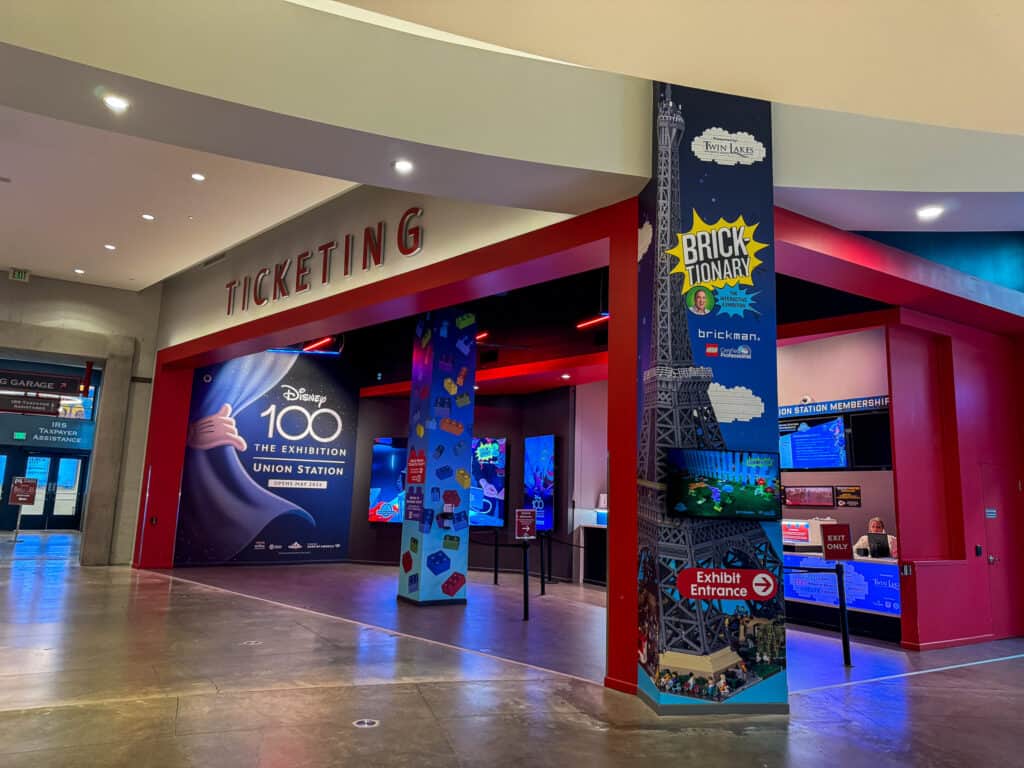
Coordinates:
x,y
929,212
148,217
602,318
566,376
482,335
110,247
403,166
476,387
198,177
79,271
116,104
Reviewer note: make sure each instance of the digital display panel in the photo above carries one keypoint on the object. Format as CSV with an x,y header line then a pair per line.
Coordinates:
x,y
539,479
817,446
808,496
872,587
387,480
726,484
487,494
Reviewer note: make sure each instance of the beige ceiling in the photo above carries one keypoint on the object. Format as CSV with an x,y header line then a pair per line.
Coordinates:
x,y
74,188
943,62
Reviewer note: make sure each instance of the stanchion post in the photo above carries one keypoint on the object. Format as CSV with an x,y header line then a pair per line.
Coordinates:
x,y
526,581
542,570
548,537
844,622
496,550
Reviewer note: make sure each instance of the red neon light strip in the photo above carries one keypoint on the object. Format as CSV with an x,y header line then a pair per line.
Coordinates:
x,y
592,321
482,335
326,340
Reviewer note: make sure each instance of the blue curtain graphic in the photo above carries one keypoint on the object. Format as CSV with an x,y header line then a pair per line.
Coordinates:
x,y
222,508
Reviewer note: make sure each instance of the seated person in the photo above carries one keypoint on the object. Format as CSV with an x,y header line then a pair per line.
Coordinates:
x,y
876,526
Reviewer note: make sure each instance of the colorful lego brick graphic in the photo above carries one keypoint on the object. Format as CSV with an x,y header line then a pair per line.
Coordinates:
x,y
450,386
427,335
438,562
465,320
451,542
444,472
462,400
460,520
414,582
453,584
414,545
451,497
443,406
406,561
461,378
464,345
426,521
463,478
446,362
452,427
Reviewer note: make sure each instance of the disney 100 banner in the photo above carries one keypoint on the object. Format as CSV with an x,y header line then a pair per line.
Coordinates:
x,y
269,461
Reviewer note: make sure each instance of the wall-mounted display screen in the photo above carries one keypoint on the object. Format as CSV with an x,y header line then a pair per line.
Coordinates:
x,y
727,484
808,496
539,479
387,480
810,445
487,494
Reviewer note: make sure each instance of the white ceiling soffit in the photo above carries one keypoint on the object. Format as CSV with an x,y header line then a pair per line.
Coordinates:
x,y
74,189
884,211
952,64
287,85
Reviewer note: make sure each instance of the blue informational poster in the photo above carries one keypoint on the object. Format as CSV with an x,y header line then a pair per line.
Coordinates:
x,y
487,496
268,467
870,586
539,479
711,621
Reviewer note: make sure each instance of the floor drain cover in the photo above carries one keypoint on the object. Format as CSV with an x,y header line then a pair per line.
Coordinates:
x,y
366,722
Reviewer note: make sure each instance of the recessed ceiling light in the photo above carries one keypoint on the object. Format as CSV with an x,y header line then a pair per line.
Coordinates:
x,y
116,104
148,217
110,247
403,166
929,212
198,177
475,387
566,376
79,271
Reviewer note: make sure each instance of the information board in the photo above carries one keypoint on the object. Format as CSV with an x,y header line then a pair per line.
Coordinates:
x,y
873,587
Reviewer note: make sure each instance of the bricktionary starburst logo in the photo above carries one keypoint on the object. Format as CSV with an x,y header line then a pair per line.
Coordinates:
x,y
717,255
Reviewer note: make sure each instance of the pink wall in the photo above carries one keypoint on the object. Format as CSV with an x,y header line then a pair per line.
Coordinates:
x,y
876,490
833,368
591,465
957,449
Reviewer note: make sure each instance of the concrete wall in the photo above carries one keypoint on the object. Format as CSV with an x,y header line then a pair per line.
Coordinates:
x,y
117,329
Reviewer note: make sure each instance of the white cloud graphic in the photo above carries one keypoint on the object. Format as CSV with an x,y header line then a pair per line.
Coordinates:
x,y
643,239
717,145
735,403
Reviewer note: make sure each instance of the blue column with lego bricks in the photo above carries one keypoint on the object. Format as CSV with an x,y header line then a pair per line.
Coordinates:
x,y
435,532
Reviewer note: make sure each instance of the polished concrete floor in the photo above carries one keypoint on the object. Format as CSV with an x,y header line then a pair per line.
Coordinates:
x,y
112,667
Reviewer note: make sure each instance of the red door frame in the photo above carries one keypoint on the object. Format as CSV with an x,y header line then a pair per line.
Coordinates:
x,y
606,237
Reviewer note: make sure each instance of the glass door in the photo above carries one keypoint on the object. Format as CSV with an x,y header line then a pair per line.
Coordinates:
x,y
61,481
7,512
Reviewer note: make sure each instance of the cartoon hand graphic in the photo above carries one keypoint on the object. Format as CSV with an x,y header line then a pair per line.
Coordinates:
x,y
215,431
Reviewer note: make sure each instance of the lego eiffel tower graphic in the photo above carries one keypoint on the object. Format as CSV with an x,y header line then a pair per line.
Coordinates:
x,y
677,413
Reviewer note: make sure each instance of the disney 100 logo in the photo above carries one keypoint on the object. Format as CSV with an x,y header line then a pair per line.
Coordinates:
x,y
316,420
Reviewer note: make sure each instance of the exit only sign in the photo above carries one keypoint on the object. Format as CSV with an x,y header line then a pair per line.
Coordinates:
x,y
21,275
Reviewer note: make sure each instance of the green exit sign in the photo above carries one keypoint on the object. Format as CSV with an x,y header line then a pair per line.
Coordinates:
x,y
20,436
21,275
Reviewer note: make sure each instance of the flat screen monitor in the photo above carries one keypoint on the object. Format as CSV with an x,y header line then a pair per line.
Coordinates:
x,y
813,445
808,496
723,484
487,494
878,545
539,479
387,480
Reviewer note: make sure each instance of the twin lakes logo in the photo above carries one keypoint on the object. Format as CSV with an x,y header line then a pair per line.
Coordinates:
x,y
717,255
300,395
717,145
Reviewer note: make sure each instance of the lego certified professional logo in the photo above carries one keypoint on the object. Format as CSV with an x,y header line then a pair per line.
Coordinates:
x,y
717,145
